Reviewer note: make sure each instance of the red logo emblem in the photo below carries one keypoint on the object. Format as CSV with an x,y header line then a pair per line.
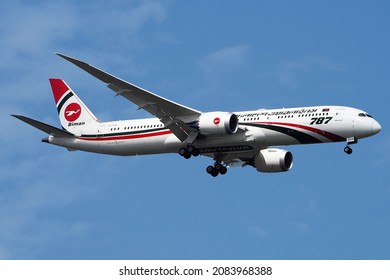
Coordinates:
x,y
72,112
217,121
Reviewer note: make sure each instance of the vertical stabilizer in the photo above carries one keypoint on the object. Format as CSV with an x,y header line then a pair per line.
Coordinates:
x,y
75,117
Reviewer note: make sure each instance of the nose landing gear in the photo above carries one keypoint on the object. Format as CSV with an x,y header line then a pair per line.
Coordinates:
x,y
351,140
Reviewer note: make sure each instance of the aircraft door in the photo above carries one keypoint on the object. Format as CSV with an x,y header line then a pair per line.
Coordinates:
x,y
339,114
101,130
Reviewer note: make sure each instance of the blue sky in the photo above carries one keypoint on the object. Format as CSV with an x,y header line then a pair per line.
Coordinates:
x,y
208,55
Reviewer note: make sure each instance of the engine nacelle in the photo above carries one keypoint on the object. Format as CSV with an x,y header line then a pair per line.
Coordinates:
x,y
273,160
218,123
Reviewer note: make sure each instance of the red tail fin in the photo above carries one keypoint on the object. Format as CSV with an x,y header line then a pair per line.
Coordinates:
x,y
59,88
74,115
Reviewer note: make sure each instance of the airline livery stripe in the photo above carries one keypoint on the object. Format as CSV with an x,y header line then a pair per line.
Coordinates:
x,y
300,136
126,133
124,136
331,136
66,98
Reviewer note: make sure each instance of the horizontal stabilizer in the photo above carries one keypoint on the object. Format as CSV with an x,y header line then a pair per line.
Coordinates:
x,y
44,127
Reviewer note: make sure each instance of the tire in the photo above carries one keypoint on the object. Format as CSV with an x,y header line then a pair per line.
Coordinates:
x,y
214,173
210,169
182,152
348,150
223,170
195,152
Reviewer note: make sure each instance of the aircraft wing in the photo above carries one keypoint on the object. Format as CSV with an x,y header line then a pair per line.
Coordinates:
x,y
173,115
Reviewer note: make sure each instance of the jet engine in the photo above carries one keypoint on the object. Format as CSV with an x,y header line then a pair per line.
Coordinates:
x,y
273,160
218,123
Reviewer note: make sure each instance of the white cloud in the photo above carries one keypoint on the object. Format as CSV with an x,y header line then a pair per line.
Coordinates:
x,y
259,232
289,71
218,68
224,60
32,190
32,28
301,228
31,32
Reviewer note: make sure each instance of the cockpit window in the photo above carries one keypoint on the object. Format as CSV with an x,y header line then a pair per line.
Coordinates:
x,y
365,115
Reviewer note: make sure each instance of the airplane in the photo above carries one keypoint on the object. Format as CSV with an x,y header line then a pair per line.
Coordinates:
x,y
245,138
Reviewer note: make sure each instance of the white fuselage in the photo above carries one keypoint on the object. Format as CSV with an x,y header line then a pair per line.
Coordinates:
x,y
230,139
257,129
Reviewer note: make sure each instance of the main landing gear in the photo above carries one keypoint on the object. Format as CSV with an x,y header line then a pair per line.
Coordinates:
x,y
213,170
352,140
216,169
189,151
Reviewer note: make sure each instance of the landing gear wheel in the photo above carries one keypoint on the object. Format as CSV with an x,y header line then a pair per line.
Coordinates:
x,y
216,169
184,153
193,151
218,166
348,150
223,170
212,171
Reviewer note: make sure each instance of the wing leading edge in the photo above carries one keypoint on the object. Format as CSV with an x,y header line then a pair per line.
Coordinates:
x,y
173,115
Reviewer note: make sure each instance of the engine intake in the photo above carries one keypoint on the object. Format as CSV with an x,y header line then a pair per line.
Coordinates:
x,y
273,160
218,123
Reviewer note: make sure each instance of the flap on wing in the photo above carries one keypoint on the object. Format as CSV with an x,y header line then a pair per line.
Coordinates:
x,y
44,127
173,115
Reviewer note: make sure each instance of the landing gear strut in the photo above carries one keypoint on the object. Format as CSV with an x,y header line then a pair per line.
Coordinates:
x,y
216,169
350,141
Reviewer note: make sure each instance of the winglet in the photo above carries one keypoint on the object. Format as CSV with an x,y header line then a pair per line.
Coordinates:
x,y
73,60
101,75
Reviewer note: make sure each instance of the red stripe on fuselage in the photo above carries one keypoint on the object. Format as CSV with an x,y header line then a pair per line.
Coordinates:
x,y
126,137
331,136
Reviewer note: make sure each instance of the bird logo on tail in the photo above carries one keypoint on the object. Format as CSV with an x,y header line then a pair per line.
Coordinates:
x,y
72,112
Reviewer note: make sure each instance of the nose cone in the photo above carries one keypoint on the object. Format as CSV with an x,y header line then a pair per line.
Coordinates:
x,y
375,127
